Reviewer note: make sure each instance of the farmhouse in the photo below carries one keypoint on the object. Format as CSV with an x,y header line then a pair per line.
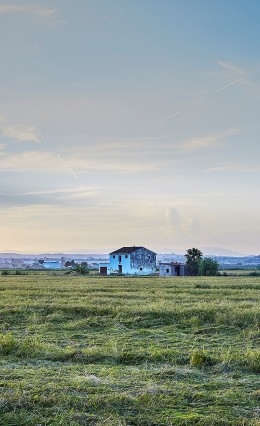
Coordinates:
x,y
172,269
130,260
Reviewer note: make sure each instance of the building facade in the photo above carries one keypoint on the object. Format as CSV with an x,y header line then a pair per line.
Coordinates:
x,y
130,260
172,269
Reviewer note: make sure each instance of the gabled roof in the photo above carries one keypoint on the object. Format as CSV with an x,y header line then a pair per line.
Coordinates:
x,y
127,250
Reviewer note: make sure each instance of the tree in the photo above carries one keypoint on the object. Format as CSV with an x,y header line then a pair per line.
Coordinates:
x,y
79,269
194,261
210,267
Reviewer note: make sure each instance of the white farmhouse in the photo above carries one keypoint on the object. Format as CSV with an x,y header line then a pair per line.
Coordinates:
x,y
130,260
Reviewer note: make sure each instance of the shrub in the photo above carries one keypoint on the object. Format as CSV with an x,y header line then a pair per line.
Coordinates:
x,y
202,285
201,358
7,343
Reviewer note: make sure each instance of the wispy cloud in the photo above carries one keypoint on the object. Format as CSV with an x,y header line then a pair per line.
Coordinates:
x,y
67,167
202,142
113,166
234,168
110,157
232,68
30,161
241,75
35,9
229,84
229,72
22,133
50,197
19,132
67,193
174,114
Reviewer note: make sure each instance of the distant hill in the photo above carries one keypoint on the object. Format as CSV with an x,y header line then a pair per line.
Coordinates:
x,y
219,251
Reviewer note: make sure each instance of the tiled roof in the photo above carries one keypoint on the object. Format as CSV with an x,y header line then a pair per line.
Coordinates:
x,y
126,250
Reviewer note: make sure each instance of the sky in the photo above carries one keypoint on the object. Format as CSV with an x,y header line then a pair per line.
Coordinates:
x,y
129,122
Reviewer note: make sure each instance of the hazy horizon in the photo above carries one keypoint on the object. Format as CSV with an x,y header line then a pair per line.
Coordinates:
x,y
207,251
129,123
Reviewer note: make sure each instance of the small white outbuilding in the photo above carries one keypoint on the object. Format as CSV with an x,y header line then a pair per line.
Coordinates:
x,y
172,269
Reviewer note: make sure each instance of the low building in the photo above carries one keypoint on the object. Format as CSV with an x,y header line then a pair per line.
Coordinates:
x,y
172,269
130,260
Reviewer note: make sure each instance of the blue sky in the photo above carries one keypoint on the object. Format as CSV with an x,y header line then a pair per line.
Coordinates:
x,y
129,122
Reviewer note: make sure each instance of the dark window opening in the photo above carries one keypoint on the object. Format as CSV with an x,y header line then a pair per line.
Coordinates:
x,y
167,271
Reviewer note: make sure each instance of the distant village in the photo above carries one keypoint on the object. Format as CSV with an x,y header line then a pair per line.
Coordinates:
x,y
125,260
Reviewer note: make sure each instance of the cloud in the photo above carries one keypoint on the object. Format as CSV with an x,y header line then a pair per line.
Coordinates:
x,y
30,161
229,84
181,226
39,10
208,141
232,68
66,193
22,133
173,219
56,197
109,158
197,143
234,168
229,70
51,163
115,166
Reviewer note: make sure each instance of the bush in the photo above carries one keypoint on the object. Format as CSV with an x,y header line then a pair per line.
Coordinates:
x,y
209,267
201,358
7,343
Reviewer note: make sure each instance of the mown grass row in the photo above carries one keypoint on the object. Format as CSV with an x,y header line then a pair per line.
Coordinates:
x,y
129,351
123,352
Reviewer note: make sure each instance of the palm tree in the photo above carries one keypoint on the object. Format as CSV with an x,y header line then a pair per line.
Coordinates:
x,y
193,260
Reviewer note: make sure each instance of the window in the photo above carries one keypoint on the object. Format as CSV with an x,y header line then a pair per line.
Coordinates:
x,y
114,256
167,271
141,269
126,256
119,258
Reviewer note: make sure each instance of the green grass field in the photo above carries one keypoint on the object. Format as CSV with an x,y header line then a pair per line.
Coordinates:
x,y
129,351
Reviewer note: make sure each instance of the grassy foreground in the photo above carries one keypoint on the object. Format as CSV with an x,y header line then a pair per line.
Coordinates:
x,y
129,351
